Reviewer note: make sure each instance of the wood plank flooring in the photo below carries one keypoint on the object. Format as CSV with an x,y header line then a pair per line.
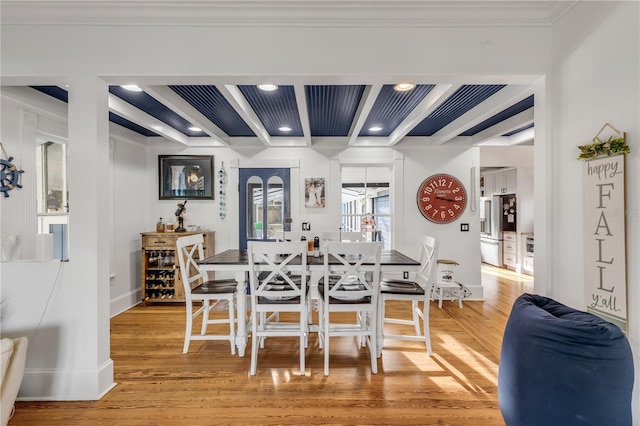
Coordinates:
x,y
158,385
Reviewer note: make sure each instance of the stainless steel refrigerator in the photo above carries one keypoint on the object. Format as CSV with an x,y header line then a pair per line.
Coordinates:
x,y
497,214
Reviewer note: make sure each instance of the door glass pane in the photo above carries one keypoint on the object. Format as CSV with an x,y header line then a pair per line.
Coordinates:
x,y
275,207
255,204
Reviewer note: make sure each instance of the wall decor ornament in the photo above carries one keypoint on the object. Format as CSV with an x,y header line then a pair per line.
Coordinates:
x,y
222,178
612,146
314,195
185,177
441,198
605,234
9,174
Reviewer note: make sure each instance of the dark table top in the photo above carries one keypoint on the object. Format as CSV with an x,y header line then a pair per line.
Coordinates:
x,y
240,257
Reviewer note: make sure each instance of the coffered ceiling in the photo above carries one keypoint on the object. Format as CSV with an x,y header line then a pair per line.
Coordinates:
x,y
308,111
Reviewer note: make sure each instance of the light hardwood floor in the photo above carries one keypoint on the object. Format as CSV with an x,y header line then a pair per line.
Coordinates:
x,y
158,385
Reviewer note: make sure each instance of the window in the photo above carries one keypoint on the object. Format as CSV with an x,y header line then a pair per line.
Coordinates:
x,y
366,203
52,194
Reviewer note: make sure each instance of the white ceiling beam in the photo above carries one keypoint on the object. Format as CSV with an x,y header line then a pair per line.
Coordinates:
x,y
303,113
501,100
131,113
364,108
509,125
237,100
430,102
175,102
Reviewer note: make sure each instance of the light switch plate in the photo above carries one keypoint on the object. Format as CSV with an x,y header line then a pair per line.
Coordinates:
x,y
464,227
306,226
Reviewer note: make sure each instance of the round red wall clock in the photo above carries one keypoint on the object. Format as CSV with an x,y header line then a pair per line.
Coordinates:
x,y
442,198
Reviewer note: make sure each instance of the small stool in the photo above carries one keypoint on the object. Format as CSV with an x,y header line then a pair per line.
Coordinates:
x,y
445,286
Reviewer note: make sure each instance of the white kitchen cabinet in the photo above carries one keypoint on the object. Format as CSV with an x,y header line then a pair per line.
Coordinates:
x,y
500,183
510,250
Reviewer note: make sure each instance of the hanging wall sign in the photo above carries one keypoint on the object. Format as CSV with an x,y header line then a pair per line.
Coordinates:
x,y
605,239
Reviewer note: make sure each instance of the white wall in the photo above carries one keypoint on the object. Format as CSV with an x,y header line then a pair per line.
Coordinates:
x,y
594,80
131,177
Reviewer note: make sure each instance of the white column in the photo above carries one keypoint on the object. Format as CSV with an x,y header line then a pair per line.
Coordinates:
x,y
89,228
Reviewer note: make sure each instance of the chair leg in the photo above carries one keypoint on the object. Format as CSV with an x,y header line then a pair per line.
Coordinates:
x,y
459,293
187,332
425,326
441,297
416,317
232,328
254,345
372,348
206,306
326,346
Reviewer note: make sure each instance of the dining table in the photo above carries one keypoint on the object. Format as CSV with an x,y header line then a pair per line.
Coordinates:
x,y
237,261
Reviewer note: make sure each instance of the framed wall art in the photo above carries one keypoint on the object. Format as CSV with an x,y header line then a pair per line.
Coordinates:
x,y
185,177
314,195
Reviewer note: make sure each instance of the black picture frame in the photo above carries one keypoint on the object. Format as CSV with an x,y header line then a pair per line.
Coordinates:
x,y
185,177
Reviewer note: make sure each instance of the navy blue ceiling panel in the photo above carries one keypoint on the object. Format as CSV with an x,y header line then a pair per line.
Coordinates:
x,y
391,107
461,101
114,118
213,105
275,109
514,109
151,106
518,130
63,95
332,108
55,91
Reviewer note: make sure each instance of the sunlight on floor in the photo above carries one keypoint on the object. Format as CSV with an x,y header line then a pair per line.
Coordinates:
x,y
506,273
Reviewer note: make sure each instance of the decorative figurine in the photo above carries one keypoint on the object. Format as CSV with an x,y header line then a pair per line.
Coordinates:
x,y
179,216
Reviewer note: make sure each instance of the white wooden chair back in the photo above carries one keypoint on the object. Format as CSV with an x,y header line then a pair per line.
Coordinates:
x,y
190,253
428,255
358,270
272,265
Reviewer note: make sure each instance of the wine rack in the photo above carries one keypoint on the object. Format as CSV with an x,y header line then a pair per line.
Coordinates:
x,y
161,280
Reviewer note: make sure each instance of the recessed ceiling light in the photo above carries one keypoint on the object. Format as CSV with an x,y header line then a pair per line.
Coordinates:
x,y
284,129
375,129
403,87
195,129
268,87
131,87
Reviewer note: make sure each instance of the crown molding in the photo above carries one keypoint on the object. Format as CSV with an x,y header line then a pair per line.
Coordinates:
x,y
292,13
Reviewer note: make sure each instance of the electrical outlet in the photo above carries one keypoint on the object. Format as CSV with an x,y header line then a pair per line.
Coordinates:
x,y
306,226
405,275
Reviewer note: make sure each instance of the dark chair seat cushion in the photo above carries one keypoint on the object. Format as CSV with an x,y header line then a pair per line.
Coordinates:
x,y
333,300
216,287
401,287
561,366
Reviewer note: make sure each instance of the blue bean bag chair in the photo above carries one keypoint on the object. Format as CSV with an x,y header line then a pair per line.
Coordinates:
x,y
563,367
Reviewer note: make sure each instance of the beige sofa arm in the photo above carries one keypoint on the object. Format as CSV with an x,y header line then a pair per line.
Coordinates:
x,y
13,378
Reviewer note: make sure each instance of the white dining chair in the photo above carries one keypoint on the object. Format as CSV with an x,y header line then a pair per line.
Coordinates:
x,y
199,289
417,291
350,284
277,285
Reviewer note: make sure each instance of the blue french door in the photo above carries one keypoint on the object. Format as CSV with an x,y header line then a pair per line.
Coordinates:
x,y
265,204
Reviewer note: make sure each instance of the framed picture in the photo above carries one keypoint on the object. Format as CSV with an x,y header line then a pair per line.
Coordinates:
x,y
185,177
314,192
